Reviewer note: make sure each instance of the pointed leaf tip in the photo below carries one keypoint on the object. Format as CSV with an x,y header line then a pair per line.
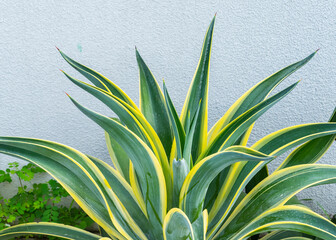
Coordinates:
x,y
57,48
67,94
317,50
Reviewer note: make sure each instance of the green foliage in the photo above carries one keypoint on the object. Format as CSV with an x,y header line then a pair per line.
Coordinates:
x,y
36,202
174,179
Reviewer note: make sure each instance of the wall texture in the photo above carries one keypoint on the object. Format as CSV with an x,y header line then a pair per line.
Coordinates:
x,y
252,40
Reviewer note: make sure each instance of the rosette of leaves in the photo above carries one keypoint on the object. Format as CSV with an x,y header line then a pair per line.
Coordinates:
x,y
174,179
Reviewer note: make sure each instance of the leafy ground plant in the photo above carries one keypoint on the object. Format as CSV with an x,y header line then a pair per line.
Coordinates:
x,y
37,201
173,179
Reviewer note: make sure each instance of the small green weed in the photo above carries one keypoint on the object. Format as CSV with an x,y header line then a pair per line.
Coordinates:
x,y
35,202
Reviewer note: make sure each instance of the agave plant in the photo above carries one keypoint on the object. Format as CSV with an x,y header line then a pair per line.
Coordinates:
x,y
171,178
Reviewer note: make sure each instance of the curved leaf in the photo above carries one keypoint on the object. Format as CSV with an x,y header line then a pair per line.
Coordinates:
x,y
229,134
49,229
293,218
77,174
135,121
275,191
280,141
283,234
99,80
176,226
296,238
273,143
200,176
125,194
311,151
145,163
242,173
255,95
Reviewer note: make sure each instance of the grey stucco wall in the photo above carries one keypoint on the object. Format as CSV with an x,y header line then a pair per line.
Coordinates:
x,y
252,40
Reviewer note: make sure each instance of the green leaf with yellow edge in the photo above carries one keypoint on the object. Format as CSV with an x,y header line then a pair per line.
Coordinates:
x,y
76,173
152,104
198,91
200,226
176,226
187,150
118,156
122,109
311,151
255,95
175,122
273,144
200,176
99,80
125,194
275,191
136,122
47,229
240,174
293,218
229,134
280,141
145,163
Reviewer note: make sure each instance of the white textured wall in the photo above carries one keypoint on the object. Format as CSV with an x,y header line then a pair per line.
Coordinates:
x,y
252,40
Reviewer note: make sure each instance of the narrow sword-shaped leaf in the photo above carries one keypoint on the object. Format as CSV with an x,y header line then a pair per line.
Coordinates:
x,y
125,194
116,105
229,134
232,131
311,151
290,218
175,122
275,191
152,104
255,95
200,176
146,165
136,187
281,142
187,151
135,121
118,156
99,80
177,226
49,229
273,141
75,172
198,90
